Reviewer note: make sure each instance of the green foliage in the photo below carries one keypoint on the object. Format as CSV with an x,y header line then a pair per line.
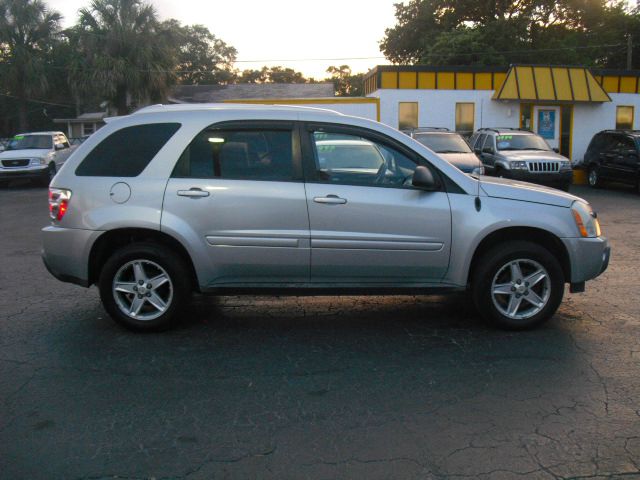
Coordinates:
x,y
346,83
479,32
123,53
28,32
201,57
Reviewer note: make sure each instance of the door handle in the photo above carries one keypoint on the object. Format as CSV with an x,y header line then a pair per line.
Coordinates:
x,y
331,200
193,193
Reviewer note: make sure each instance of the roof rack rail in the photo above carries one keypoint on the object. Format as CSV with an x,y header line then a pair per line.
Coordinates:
x,y
498,129
426,129
625,130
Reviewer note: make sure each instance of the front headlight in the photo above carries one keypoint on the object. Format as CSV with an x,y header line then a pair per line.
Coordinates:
x,y
565,166
36,162
586,219
518,165
477,171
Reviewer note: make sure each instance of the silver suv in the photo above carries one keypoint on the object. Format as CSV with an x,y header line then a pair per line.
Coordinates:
x,y
249,199
521,155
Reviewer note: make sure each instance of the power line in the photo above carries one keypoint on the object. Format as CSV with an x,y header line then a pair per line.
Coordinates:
x,y
37,101
504,52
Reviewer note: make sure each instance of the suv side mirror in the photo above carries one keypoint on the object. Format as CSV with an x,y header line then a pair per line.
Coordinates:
x,y
477,151
423,179
59,146
488,150
556,149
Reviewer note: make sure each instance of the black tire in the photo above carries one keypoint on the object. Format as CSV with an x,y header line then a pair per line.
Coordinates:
x,y
493,265
176,291
48,176
593,177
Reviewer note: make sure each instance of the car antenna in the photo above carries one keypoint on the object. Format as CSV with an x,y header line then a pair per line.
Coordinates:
x,y
477,201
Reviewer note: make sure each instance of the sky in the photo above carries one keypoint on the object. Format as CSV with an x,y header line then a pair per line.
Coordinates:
x,y
337,31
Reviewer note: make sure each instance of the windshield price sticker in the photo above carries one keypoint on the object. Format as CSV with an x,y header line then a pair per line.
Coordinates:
x,y
18,137
505,137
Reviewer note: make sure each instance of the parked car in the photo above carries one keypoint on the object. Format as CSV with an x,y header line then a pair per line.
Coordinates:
x,y
449,145
36,156
614,155
521,155
246,199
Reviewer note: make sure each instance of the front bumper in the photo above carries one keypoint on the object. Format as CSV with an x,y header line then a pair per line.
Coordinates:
x,y
589,257
39,171
550,179
65,253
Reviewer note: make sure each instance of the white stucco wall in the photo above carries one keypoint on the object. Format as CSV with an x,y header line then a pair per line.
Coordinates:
x,y
437,108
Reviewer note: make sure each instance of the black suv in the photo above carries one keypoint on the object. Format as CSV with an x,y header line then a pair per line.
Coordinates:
x,y
614,155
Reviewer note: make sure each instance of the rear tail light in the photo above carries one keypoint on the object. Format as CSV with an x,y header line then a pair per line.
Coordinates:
x,y
58,202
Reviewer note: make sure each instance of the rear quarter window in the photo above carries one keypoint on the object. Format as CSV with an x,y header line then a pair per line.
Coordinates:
x,y
126,152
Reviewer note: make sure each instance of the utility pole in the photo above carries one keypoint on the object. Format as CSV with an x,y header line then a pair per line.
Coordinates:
x,y
629,51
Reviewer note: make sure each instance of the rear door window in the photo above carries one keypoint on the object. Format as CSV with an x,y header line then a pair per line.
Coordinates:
x,y
126,152
239,154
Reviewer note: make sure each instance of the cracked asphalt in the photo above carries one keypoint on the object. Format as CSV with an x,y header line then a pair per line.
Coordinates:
x,y
326,387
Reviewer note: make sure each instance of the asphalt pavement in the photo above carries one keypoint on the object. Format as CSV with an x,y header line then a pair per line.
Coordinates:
x,y
328,387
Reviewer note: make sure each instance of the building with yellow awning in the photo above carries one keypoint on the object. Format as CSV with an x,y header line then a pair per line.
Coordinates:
x,y
567,105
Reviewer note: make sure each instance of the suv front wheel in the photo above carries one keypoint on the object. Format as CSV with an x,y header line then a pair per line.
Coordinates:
x,y
143,285
518,285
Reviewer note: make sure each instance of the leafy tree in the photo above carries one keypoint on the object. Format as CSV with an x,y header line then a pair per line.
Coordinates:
x,y
201,57
275,74
346,84
253,76
478,32
28,30
124,53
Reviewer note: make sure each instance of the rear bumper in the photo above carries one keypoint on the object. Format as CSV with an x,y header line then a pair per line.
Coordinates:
x,y
589,257
65,253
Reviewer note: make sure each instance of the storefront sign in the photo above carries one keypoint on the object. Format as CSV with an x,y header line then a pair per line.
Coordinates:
x,y
547,124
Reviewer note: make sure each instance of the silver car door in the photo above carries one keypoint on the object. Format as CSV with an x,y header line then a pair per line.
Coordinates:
x,y
368,224
237,195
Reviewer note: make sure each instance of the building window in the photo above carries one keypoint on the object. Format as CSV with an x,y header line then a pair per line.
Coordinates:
x,y
88,129
407,115
624,117
465,113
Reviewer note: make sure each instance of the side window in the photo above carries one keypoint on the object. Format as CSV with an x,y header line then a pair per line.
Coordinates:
x,y
64,140
480,141
126,152
488,143
239,154
356,160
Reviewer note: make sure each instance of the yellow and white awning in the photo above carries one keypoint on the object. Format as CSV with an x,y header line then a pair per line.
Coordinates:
x,y
530,83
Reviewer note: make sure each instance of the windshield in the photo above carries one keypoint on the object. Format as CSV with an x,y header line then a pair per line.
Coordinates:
x,y
443,142
521,142
25,142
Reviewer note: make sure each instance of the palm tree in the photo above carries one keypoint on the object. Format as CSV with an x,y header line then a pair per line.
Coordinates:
x,y
124,54
28,30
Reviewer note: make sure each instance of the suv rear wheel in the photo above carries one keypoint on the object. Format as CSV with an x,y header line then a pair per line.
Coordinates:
x,y
593,177
518,285
143,285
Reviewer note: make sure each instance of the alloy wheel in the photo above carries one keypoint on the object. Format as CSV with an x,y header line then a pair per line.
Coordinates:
x,y
142,289
520,289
